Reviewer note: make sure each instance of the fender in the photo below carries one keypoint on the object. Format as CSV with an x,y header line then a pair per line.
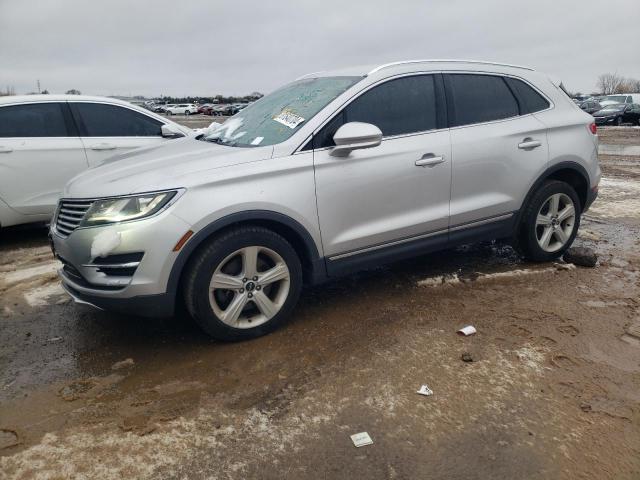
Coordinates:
x,y
576,167
318,269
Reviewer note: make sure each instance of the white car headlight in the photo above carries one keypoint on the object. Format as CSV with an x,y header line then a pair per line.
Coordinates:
x,y
123,209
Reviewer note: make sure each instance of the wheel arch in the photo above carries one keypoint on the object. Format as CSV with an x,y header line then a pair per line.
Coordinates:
x,y
571,173
314,269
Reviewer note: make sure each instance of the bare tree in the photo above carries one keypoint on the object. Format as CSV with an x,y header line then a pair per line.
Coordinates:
x,y
73,91
609,83
8,91
633,84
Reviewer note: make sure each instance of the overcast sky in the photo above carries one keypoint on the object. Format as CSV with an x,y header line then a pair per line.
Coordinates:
x,y
206,47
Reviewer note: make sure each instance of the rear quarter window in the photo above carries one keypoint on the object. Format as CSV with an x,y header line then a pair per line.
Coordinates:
x,y
32,120
479,98
530,100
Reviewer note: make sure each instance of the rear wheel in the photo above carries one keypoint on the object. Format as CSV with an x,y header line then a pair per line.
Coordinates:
x,y
243,284
187,112
550,222
619,121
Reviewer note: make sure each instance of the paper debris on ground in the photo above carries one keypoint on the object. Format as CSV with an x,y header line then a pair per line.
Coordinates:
x,y
425,390
361,439
468,330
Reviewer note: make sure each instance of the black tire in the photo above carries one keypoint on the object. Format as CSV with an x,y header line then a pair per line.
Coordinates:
x,y
619,121
204,263
169,113
187,112
527,241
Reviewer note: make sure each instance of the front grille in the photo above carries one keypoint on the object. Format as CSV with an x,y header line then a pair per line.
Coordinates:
x,y
69,215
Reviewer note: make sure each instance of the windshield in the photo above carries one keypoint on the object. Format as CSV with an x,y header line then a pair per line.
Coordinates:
x,y
277,116
615,98
615,106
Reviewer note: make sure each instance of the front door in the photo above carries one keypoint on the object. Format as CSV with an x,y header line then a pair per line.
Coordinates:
x,y
107,130
376,198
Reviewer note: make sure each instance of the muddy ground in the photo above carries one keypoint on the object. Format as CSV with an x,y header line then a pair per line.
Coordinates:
x,y
553,390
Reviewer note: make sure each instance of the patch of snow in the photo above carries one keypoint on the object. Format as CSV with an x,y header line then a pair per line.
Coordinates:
x,y
26,273
38,297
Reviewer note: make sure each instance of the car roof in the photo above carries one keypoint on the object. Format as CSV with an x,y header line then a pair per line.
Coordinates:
x,y
60,98
428,64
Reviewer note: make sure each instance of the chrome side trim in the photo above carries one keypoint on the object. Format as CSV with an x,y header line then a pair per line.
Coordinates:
x,y
477,223
384,245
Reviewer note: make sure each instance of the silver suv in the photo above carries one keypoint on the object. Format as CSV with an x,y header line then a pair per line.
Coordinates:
x,y
335,172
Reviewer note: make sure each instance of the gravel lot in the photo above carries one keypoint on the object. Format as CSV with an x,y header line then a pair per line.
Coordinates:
x,y
553,390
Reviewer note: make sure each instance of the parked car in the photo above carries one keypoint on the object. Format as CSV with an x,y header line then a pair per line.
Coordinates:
x,y
181,109
346,170
617,114
204,108
45,140
159,108
590,106
220,110
622,98
208,109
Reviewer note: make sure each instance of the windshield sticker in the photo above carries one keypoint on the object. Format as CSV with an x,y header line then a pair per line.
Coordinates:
x,y
288,119
257,141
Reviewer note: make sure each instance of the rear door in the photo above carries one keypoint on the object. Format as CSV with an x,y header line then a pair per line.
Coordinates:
x,y
498,146
394,193
108,129
39,152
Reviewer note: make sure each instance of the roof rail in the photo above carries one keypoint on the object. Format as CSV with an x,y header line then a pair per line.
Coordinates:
x,y
405,62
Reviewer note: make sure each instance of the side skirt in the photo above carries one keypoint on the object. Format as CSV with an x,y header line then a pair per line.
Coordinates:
x,y
499,227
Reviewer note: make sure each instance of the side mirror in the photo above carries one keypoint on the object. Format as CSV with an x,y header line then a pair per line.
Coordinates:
x,y
354,136
169,131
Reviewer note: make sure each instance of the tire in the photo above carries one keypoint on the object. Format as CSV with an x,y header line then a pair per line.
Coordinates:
x,y
169,113
549,228
187,112
240,311
619,121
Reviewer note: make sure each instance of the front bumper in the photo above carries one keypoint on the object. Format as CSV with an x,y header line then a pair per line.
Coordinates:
x,y
141,290
605,120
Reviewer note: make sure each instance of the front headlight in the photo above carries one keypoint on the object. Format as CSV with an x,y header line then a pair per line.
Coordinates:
x,y
123,209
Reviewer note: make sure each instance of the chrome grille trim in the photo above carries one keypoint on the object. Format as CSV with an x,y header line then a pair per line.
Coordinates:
x,y
69,215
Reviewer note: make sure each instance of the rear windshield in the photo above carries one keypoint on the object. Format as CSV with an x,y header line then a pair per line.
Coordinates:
x,y
277,116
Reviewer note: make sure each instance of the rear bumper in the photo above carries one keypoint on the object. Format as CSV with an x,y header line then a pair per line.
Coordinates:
x,y
591,197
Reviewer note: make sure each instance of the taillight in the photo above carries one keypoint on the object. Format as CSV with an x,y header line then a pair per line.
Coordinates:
x,y
593,129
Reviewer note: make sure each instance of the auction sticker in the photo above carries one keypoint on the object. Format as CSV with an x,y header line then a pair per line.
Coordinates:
x,y
288,119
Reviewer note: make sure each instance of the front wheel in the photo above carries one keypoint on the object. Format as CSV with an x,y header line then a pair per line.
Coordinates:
x,y
619,121
243,283
187,112
550,222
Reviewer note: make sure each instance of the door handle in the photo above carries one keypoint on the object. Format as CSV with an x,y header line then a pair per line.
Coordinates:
x,y
528,143
429,160
6,149
103,146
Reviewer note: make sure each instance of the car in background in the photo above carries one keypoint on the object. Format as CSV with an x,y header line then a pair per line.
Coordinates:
x,y
617,114
621,98
181,109
590,106
45,140
202,109
327,176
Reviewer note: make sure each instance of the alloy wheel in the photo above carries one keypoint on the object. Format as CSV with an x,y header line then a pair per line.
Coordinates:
x,y
555,222
249,287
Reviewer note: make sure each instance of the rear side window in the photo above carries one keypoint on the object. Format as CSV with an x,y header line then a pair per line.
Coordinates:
x,y
101,120
530,100
33,120
479,98
401,106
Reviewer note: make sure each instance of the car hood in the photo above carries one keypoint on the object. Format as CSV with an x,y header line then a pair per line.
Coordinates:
x,y
606,113
159,167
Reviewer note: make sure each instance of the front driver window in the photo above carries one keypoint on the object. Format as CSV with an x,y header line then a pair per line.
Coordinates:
x,y
400,106
103,120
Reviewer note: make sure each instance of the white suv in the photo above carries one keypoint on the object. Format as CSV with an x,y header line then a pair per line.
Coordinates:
x,y
182,109
45,140
333,173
